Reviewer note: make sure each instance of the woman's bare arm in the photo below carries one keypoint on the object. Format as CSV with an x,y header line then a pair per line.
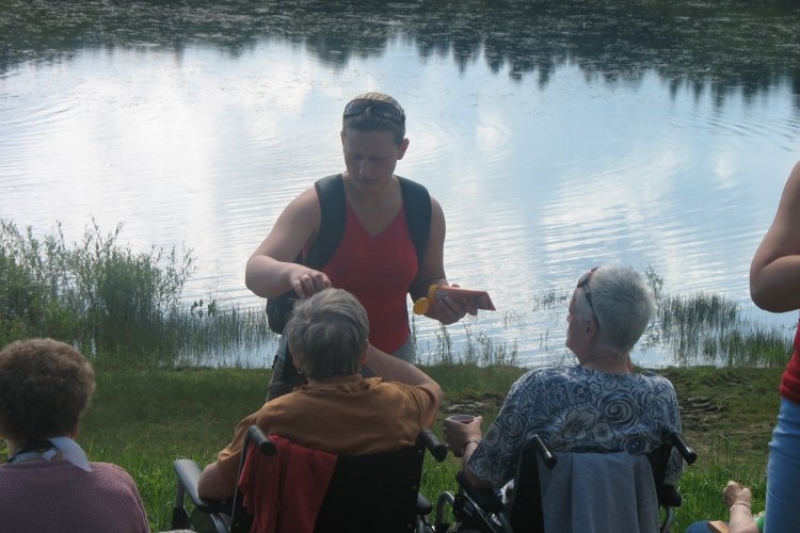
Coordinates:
x,y
390,368
775,270
271,270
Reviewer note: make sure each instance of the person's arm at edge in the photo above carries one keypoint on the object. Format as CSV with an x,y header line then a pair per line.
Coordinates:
x,y
217,482
271,270
739,500
466,438
390,368
775,269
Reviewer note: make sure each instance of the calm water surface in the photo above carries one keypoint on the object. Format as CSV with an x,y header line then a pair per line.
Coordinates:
x,y
556,137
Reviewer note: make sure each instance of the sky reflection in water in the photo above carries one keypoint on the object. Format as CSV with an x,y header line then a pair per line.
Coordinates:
x,y
539,181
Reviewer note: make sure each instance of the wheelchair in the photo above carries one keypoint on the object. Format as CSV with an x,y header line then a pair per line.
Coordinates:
x,y
377,493
483,510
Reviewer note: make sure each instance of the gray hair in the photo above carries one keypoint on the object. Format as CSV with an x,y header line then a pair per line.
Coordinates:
x,y
328,333
623,304
368,121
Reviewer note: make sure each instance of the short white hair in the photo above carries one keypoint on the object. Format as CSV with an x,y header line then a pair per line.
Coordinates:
x,y
623,304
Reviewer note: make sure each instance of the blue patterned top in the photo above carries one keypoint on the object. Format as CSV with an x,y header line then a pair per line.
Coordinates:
x,y
576,409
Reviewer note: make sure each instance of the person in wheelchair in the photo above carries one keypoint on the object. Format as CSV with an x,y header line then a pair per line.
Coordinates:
x,y
47,483
598,405
338,411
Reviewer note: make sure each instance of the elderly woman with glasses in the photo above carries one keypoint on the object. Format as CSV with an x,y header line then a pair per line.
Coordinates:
x,y
378,257
598,405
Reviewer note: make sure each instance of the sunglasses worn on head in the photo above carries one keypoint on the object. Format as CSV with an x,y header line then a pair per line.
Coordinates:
x,y
583,283
377,107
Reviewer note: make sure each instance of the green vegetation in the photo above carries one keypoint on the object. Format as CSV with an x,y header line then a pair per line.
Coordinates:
x,y
110,301
127,307
154,403
143,419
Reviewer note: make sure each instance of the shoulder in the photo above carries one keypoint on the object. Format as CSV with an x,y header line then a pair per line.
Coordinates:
x,y
395,387
303,206
531,387
417,194
308,199
113,481
656,380
112,472
412,186
549,374
330,187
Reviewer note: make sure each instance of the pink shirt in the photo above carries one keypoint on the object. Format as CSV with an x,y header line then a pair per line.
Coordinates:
x,y
57,496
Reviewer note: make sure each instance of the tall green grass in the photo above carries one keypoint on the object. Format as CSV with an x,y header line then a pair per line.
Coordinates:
x,y
111,302
479,349
706,329
701,485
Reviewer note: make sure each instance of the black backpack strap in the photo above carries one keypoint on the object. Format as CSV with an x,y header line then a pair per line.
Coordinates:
x,y
417,205
330,191
333,209
333,205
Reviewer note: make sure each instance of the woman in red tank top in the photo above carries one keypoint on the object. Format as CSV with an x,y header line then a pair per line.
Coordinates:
x,y
373,141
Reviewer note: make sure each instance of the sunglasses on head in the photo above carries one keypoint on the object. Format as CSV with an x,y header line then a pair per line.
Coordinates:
x,y
583,283
376,107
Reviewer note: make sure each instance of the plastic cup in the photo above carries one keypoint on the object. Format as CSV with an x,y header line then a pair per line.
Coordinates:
x,y
464,419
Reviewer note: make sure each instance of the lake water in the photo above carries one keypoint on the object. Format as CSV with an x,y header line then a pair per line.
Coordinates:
x,y
557,136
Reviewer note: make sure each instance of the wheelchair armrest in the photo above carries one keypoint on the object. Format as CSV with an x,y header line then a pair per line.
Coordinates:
x,y
437,449
486,499
188,474
683,447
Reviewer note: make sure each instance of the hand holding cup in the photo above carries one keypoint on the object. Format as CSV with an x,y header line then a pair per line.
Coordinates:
x,y
460,429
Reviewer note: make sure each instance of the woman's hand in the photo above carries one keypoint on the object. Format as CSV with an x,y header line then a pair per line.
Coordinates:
x,y
735,493
449,311
457,434
306,281
739,501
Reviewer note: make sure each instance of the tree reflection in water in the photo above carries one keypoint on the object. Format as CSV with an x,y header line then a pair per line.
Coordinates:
x,y
726,45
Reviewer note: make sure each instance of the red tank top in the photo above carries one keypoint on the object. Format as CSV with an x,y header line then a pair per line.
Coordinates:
x,y
379,271
790,382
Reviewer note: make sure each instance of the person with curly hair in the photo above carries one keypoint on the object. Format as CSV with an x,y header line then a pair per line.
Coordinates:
x,y
48,484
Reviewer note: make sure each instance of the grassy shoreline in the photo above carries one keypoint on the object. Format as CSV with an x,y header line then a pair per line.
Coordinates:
x,y
124,311
144,419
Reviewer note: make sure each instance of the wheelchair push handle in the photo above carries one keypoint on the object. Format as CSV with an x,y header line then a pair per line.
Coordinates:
x,y
261,441
434,445
683,447
543,451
